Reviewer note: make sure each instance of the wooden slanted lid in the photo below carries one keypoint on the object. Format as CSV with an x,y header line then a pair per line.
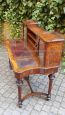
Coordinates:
x,y
44,35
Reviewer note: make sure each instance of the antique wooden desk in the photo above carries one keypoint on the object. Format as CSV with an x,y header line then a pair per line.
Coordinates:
x,y
39,52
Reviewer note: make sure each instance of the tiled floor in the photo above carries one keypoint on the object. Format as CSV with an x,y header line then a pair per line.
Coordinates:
x,y
33,105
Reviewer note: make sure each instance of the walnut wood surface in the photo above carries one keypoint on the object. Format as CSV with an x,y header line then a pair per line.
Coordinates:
x,y
28,60
40,55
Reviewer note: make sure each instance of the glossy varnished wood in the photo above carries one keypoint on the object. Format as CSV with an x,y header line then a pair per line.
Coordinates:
x,y
40,55
50,44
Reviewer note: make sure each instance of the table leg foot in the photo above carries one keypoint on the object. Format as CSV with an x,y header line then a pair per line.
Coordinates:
x,y
20,104
48,97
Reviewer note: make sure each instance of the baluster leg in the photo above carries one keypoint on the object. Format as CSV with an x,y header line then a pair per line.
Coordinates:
x,y
51,78
19,85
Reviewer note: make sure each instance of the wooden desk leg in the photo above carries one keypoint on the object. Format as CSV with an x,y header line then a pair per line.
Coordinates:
x,y
19,85
51,78
27,79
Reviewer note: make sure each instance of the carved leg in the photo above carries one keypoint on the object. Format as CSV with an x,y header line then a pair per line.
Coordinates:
x,y
51,78
10,65
27,79
21,81
19,92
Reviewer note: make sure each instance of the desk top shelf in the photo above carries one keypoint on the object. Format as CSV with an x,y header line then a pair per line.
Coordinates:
x,y
44,35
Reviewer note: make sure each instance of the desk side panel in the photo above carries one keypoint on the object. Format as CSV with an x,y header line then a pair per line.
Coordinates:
x,y
52,54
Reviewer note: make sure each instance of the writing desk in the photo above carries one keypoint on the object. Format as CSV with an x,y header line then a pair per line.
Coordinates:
x,y
39,52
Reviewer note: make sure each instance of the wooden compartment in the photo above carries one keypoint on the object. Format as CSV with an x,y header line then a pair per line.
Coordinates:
x,y
48,46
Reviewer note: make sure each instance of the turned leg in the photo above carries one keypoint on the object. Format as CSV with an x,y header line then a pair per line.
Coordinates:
x,y
19,85
51,78
10,64
21,81
27,79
